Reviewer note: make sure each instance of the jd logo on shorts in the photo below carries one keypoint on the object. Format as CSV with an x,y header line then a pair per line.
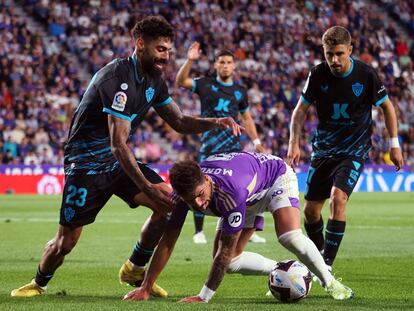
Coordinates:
x,y
235,219
357,88
149,94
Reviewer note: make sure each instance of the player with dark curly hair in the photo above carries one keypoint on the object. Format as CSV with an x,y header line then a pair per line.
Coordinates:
x,y
98,162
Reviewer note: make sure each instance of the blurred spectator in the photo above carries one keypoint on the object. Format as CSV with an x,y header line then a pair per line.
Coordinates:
x,y
275,43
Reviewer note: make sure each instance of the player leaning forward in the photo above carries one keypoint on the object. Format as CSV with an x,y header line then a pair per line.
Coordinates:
x,y
99,163
343,92
237,187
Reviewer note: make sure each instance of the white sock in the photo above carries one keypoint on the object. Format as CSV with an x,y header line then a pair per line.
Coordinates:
x,y
248,263
296,242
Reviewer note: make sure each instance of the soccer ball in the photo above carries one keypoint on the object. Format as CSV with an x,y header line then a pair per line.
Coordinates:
x,y
290,281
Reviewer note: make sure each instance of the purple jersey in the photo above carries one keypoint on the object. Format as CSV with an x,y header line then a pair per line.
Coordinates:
x,y
239,180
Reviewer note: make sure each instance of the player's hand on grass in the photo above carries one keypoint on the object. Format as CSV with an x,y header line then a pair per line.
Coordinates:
x,y
192,299
397,158
194,51
293,155
138,294
160,195
229,123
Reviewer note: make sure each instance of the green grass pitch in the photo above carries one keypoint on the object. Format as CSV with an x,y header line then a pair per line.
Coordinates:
x,y
376,259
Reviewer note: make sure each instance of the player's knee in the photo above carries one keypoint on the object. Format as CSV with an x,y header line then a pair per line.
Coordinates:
x,y
338,200
312,215
235,264
63,246
291,240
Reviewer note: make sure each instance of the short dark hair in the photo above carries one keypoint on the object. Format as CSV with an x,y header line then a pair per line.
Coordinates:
x,y
224,53
336,35
185,176
152,27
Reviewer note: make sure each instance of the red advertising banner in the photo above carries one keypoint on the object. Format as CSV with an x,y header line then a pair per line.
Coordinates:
x,y
37,184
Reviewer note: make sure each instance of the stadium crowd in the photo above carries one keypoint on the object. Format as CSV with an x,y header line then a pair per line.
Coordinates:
x,y
275,44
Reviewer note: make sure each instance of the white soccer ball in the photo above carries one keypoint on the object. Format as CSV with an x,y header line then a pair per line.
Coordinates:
x,y
290,281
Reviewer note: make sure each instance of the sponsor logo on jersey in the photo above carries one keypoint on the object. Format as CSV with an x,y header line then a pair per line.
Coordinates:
x,y
235,219
237,95
222,105
119,102
149,94
357,88
214,88
124,86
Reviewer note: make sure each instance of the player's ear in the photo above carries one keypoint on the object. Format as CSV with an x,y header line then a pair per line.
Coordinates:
x,y
350,49
139,44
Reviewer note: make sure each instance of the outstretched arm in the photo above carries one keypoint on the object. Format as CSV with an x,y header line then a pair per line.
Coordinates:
x,y
186,124
183,76
392,127
222,259
119,131
251,131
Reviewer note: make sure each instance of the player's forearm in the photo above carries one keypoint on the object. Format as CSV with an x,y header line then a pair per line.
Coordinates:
x,y
183,73
250,128
218,270
129,164
194,125
296,125
391,120
159,260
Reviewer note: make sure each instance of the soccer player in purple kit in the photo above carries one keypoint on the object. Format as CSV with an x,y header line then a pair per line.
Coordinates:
x,y
237,187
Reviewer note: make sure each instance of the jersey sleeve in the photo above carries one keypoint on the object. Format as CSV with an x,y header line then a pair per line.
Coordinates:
x,y
379,92
233,220
115,96
163,96
233,207
197,85
243,102
309,91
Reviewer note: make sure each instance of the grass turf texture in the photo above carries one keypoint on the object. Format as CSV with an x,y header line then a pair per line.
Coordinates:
x,y
376,259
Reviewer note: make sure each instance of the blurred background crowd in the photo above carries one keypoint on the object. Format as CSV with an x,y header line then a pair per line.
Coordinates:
x,y
50,49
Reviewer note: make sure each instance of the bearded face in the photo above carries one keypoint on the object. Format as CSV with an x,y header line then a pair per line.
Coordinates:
x,y
154,55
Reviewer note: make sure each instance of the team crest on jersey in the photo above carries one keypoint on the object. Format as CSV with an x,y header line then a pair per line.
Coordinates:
x,y
119,101
149,94
357,88
324,88
237,95
214,88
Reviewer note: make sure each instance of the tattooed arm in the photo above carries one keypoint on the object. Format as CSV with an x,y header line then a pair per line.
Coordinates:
x,y
186,124
222,259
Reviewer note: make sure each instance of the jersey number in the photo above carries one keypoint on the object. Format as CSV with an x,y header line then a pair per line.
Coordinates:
x,y
76,196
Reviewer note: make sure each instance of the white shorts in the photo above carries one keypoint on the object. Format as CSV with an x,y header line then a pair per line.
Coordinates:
x,y
283,193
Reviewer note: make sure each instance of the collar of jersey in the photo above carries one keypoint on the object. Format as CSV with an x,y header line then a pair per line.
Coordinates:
x,y
224,84
346,74
134,62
